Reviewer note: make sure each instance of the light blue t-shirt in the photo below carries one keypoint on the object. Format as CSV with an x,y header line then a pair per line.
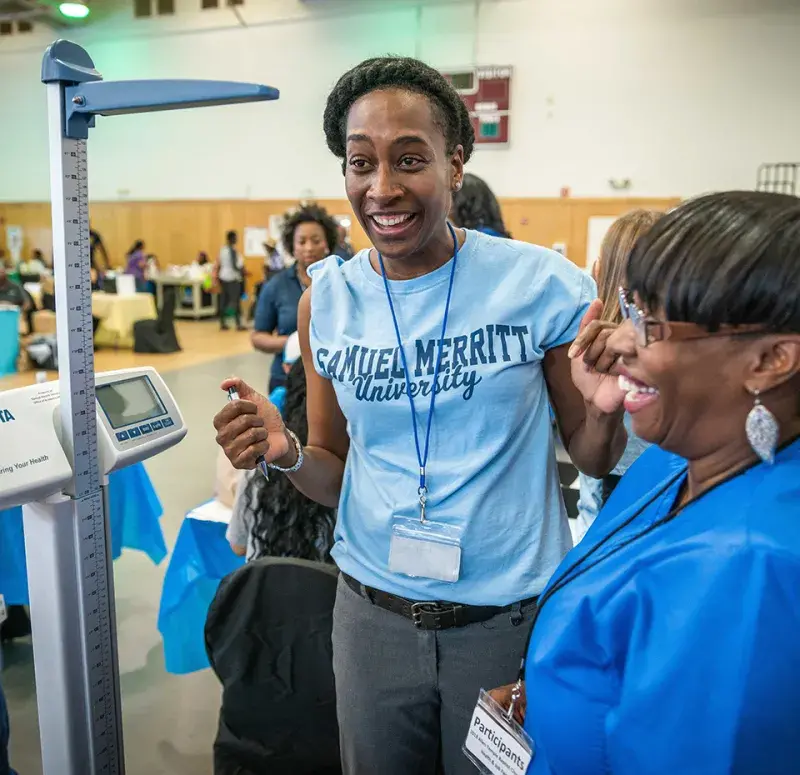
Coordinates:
x,y
492,468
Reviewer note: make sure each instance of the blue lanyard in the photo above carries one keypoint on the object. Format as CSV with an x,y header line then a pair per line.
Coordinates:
x,y
422,456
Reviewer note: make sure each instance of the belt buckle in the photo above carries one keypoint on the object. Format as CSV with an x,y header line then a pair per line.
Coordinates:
x,y
436,610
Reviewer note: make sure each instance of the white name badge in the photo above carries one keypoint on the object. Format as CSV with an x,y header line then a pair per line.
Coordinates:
x,y
495,744
430,550
3,610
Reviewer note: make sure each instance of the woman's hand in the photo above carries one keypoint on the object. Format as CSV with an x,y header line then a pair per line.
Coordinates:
x,y
250,428
502,697
593,362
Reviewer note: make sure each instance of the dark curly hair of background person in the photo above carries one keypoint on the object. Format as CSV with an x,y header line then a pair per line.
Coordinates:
x,y
285,522
391,72
309,213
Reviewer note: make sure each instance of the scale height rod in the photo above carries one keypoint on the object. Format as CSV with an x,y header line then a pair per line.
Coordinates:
x,y
95,702
72,595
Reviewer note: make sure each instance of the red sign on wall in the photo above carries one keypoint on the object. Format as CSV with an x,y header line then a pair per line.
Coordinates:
x,y
486,92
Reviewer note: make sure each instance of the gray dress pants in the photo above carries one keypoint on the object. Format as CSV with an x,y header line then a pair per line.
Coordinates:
x,y
405,696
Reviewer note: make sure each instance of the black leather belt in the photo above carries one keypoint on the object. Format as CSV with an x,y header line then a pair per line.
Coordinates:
x,y
432,615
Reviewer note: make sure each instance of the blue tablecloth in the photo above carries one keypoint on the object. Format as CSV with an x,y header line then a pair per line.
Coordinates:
x,y
202,557
9,340
135,514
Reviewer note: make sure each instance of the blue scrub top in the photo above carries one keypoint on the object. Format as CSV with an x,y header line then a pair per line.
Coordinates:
x,y
276,310
679,654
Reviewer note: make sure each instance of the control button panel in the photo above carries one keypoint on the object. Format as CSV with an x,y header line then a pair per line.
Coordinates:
x,y
137,431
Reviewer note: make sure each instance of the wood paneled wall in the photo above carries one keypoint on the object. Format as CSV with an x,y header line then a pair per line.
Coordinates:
x,y
176,231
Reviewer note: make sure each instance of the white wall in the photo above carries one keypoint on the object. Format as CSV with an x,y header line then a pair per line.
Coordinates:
x,y
681,97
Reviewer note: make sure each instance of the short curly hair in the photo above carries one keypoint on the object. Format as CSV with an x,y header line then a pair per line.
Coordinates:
x,y
309,213
392,72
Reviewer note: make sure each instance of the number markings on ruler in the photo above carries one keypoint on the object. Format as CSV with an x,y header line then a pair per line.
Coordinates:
x,y
97,589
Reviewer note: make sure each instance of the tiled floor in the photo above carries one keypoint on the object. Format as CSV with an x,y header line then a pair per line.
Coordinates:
x,y
170,721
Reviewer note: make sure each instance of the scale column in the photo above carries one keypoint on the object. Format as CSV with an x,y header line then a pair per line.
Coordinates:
x,y
76,648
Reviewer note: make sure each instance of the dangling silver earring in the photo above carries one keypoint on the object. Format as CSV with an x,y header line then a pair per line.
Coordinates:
x,y
762,430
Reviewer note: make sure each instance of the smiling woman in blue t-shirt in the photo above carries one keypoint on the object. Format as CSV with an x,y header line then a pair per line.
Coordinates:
x,y
429,362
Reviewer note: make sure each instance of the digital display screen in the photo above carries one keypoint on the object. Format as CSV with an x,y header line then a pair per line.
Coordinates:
x,y
129,402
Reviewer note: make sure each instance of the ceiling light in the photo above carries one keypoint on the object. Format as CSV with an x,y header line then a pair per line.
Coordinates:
x,y
76,9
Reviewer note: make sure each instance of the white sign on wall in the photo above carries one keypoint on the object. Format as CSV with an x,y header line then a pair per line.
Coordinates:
x,y
254,239
14,242
596,232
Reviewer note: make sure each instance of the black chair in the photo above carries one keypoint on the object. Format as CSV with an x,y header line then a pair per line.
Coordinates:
x,y
268,638
158,336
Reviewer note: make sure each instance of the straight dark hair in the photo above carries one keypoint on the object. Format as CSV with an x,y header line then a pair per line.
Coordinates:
x,y
476,207
731,258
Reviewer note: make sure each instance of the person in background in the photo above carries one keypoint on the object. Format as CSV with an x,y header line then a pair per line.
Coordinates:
x,y
609,271
205,264
274,261
36,267
309,235
96,250
230,272
476,207
382,344
343,247
14,295
270,517
669,640
152,270
136,265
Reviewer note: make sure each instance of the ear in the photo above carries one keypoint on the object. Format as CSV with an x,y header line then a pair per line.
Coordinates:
x,y
776,361
457,168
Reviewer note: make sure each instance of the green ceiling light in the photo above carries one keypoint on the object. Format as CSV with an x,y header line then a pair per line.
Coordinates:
x,y
76,9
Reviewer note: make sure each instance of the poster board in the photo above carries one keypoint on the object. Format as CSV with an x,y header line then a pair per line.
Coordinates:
x,y
596,231
254,239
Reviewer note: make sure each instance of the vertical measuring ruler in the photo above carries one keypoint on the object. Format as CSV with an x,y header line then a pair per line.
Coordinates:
x,y
72,583
99,750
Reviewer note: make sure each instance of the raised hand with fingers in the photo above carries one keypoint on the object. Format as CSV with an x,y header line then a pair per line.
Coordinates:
x,y
250,427
593,362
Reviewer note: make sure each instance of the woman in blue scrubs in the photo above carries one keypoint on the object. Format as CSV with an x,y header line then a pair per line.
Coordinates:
x,y
669,640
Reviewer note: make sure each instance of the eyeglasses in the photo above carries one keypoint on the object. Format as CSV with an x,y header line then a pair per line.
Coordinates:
x,y
649,331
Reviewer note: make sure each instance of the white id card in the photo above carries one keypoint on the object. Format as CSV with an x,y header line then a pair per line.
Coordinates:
x,y
3,610
430,550
495,744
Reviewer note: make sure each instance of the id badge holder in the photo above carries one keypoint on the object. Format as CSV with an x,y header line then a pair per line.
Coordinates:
x,y
497,744
425,549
